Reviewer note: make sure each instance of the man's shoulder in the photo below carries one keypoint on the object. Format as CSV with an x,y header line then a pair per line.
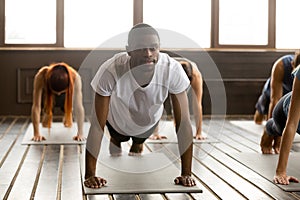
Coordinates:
x,y
167,60
118,59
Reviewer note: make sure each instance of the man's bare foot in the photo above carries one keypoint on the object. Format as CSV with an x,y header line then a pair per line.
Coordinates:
x,y
258,118
276,145
136,149
115,147
266,143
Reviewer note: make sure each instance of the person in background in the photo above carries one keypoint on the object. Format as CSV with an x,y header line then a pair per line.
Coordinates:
x,y
130,89
279,84
57,85
283,120
196,83
287,124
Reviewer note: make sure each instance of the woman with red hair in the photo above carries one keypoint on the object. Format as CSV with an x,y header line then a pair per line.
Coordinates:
x,y
61,82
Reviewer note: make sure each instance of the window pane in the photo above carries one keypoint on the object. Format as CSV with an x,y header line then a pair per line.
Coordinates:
x,y
287,28
191,18
88,23
30,22
243,22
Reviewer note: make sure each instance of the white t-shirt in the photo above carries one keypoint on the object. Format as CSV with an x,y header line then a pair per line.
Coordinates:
x,y
133,109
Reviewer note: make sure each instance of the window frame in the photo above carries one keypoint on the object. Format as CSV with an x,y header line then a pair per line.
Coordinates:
x,y
59,28
138,17
215,28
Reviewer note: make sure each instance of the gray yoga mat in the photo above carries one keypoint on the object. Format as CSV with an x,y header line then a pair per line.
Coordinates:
x,y
167,128
57,134
249,125
149,173
265,165
255,128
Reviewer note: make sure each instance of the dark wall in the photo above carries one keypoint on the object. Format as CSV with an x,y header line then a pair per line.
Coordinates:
x,y
241,74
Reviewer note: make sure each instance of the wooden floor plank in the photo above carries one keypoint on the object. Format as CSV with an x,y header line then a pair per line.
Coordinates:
x,y
25,182
14,128
71,176
48,180
248,190
10,167
207,193
226,139
212,180
7,143
179,196
265,185
6,125
53,171
242,137
151,197
99,197
124,196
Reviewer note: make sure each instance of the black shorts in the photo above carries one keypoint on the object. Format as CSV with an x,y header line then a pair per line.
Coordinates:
x,y
276,124
139,139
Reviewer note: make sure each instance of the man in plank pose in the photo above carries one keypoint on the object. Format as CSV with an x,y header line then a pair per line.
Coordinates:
x,y
130,89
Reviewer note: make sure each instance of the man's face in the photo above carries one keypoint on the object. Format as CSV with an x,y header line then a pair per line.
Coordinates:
x,y
144,50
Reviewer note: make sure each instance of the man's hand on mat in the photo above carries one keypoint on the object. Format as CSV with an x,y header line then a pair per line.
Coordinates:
x,y
284,179
157,137
187,181
79,138
38,138
95,182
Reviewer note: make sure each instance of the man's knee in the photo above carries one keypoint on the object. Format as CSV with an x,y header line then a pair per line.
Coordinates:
x,y
272,128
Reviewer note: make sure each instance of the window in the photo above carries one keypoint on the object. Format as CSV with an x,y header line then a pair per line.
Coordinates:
x,y
196,23
89,23
243,22
287,28
190,18
28,24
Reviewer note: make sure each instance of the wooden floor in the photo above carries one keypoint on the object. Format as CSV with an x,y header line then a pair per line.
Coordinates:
x,y
53,171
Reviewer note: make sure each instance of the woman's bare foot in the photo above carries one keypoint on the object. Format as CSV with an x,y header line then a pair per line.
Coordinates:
x,y
266,143
115,147
136,149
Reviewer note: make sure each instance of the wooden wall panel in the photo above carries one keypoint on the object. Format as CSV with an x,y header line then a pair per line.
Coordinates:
x,y
242,74
25,85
